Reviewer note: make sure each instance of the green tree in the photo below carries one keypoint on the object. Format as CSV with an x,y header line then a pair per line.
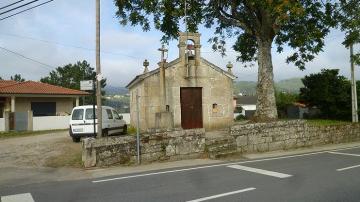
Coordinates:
x,y
256,24
70,75
329,92
348,19
17,77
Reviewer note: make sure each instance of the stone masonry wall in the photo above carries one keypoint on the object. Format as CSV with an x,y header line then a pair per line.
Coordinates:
x,y
240,139
159,146
283,135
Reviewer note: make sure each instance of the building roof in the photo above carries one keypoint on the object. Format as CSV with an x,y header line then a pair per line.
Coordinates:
x,y
4,83
143,76
32,87
246,100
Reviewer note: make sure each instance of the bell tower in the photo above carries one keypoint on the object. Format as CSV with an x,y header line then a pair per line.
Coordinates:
x,y
189,47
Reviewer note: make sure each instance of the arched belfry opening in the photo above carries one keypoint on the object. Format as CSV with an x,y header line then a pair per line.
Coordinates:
x,y
190,49
189,44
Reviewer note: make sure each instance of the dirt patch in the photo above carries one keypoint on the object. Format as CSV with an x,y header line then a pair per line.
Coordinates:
x,y
55,149
70,156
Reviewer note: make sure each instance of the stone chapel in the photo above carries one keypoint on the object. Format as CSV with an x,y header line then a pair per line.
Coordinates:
x,y
188,92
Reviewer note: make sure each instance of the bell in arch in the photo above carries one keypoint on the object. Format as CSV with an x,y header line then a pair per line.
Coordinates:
x,y
190,49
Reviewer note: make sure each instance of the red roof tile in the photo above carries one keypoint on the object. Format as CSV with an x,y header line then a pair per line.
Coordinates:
x,y
4,83
32,87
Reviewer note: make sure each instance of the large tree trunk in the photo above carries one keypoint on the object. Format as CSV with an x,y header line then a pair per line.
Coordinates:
x,y
266,104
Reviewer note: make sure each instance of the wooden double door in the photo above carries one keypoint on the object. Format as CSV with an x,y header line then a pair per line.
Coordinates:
x,y
191,107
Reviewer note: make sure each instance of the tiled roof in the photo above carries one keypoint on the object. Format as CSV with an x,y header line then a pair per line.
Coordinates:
x,y
246,100
32,87
4,83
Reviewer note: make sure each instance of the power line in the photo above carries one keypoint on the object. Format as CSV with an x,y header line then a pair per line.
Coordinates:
x,y
19,7
11,4
23,56
25,10
66,45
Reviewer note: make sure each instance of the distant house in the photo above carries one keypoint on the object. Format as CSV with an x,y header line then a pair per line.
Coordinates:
x,y
248,105
39,98
297,111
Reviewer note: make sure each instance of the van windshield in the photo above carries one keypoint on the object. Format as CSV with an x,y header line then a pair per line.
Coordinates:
x,y
89,114
78,114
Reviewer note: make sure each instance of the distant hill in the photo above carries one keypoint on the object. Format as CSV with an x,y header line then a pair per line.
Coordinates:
x,y
112,90
245,87
289,85
292,85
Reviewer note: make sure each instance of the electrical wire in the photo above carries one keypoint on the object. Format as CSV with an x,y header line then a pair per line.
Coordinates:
x,y
11,4
66,45
23,56
25,10
19,7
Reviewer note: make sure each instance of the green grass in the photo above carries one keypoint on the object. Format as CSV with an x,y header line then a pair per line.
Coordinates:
x,y
70,158
326,122
131,130
13,134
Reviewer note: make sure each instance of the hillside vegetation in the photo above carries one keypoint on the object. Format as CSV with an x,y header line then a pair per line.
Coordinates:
x,y
292,85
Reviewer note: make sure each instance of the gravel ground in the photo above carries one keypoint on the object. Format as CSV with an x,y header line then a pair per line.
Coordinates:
x,y
34,151
39,158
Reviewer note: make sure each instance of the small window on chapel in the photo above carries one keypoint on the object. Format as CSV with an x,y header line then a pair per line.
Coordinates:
x,y
215,108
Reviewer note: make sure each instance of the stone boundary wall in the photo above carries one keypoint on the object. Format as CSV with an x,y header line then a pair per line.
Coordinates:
x,y
283,135
240,139
159,146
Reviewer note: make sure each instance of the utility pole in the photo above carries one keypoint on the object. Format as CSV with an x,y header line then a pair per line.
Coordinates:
x,y
137,127
98,71
354,108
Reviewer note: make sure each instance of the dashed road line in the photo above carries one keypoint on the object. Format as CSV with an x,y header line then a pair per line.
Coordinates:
x,y
347,168
26,197
346,154
202,167
222,195
260,171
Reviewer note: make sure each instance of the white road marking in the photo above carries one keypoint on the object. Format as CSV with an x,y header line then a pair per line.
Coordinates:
x,y
260,171
341,153
218,165
347,168
222,195
202,167
26,197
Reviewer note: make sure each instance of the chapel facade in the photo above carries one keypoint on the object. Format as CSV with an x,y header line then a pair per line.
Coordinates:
x,y
188,92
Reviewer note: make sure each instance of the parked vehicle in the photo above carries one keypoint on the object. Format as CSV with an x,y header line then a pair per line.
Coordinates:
x,y
82,122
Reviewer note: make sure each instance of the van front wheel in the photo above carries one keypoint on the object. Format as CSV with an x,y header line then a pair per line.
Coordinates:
x,y
105,132
124,129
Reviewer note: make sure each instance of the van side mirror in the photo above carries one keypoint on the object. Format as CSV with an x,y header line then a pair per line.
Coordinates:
x,y
121,117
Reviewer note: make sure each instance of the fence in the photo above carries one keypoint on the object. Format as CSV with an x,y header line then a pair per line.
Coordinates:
x,y
51,122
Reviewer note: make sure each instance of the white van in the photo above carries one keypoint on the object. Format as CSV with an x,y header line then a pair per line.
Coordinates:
x,y
82,122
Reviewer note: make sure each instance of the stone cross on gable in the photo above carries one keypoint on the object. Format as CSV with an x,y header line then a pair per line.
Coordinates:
x,y
163,50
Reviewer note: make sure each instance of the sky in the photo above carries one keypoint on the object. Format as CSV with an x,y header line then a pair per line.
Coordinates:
x,y
63,32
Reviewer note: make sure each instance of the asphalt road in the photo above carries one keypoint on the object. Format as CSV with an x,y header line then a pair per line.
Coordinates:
x,y
321,176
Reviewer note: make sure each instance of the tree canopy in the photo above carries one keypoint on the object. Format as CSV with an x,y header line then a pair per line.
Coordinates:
x,y
255,24
329,92
70,75
17,77
347,15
